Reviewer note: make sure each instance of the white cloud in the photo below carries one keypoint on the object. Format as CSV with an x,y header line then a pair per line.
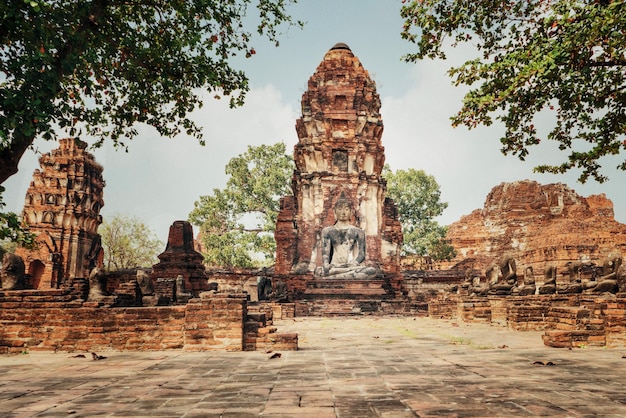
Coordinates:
x,y
467,164
159,179
169,175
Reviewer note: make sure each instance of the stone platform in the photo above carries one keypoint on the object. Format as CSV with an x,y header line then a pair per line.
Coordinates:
x,y
367,367
346,289
342,297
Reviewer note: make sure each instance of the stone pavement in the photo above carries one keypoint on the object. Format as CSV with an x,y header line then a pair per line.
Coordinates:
x,y
346,367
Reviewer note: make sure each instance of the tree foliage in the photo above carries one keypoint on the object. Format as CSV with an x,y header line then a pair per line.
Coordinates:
x,y
11,229
237,222
128,243
97,67
417,196
562,57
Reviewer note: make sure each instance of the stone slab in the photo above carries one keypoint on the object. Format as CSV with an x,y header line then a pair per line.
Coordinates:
x,y
345,289
345,367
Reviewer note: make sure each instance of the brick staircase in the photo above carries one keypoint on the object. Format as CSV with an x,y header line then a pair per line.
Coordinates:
x,y
343,297
260,335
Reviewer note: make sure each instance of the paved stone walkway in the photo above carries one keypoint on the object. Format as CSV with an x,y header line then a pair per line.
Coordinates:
x,y
363,367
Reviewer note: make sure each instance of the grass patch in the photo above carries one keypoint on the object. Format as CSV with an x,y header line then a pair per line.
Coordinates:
x,y
407,332
468,342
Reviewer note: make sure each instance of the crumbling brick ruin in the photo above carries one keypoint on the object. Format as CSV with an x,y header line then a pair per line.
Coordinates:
x,y
540,257
62,208
536,257
180,259
537,224
339,152
69,304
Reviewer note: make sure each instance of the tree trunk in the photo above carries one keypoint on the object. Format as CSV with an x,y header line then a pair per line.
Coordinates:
x,y
11,156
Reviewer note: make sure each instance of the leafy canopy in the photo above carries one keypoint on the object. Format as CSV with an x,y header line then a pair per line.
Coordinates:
x,y
417,196
97,67
128,243
12,231
562,57
237,222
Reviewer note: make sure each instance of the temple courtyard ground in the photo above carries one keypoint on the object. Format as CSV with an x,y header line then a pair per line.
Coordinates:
x,y
346,367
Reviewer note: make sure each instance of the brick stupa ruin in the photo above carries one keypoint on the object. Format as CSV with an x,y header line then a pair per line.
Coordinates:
x,y
67,304
537,225
338,212
181,259
62,208
339,156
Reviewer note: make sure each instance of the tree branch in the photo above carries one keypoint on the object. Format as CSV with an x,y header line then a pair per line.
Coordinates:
x,y
11,156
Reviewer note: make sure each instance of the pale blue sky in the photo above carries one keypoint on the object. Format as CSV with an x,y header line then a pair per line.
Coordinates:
x,y
159,179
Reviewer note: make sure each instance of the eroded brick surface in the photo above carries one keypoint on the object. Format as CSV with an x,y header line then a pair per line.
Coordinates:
x,y
537,225
339,153
62,208
40,320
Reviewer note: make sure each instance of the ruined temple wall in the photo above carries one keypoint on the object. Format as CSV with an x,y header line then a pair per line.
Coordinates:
x,y
339,152
538,225
38,320
62,208
566,320
236,281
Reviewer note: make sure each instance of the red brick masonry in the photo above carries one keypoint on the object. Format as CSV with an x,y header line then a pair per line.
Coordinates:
x,y
568,320
55,320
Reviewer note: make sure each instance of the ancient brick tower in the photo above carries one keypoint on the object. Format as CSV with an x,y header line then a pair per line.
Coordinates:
x,y
62,208
180,258
339,153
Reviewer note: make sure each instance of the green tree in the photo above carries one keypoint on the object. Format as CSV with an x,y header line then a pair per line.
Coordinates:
x,y
237,222
12,231
417,196
6,246
128,243
97,67
562,57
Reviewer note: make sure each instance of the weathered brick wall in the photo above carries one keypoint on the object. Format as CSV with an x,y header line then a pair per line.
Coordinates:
x,y
286,235
615,322
446,306
475,310
427,284
529,317
37,320
283,310
215,322
568,320
599,321
239,280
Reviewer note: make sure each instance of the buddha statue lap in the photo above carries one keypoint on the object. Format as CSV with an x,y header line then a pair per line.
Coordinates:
x,y
608,281
549,280
343,247
526,285
574,285
502,285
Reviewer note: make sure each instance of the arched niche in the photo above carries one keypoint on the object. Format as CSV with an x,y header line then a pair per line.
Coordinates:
x,y
36,269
